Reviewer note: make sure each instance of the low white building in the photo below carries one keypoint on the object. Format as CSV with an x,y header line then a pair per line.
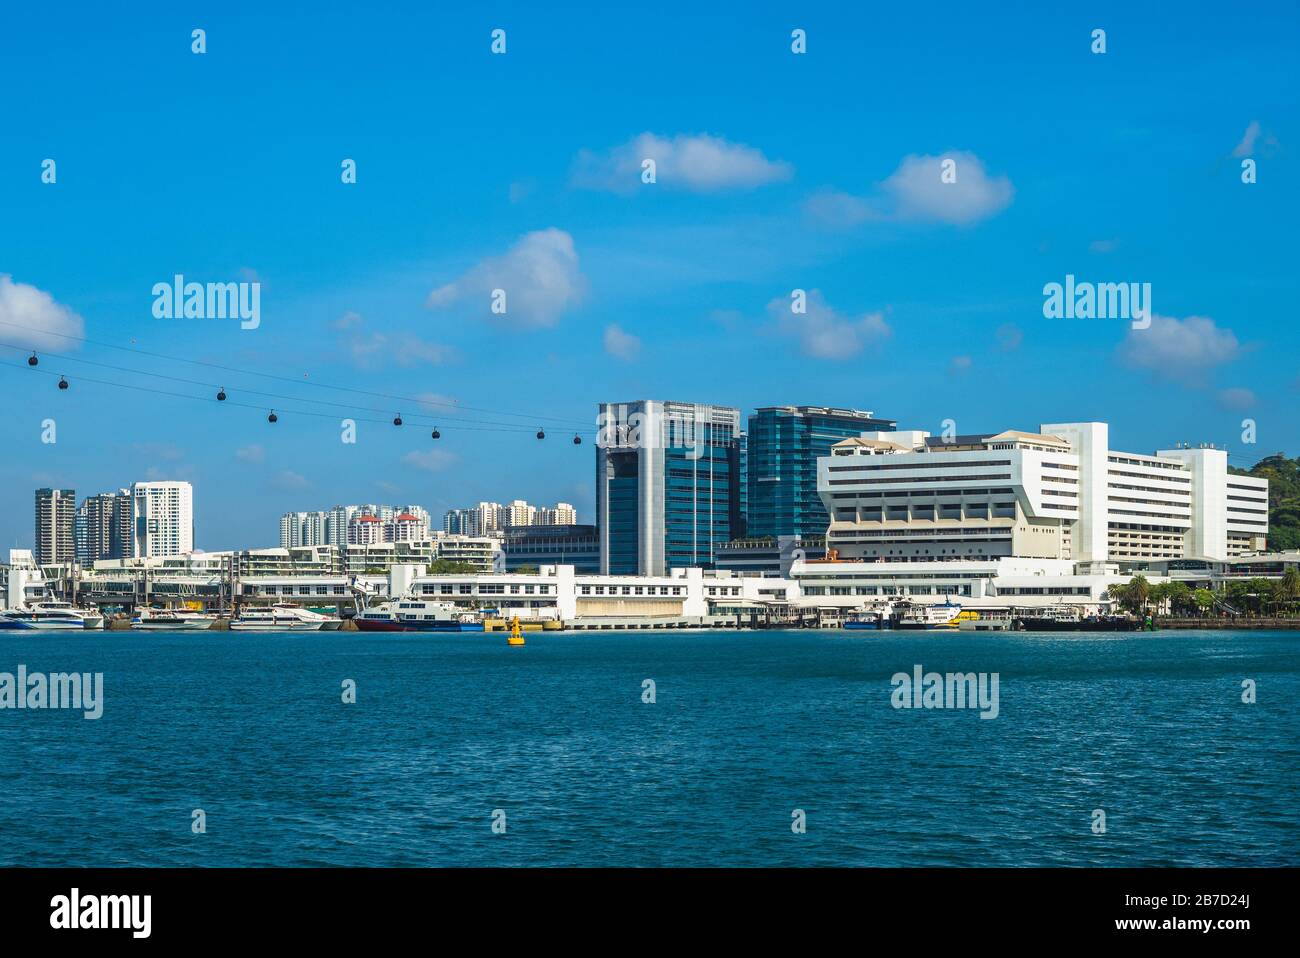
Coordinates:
x,y
1059,493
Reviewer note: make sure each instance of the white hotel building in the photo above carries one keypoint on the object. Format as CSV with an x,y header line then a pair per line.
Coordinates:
x,y
1056,513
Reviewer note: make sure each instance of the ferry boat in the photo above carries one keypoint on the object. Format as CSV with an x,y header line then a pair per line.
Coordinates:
x,y
1064,618
865,620
871,617
929,617
986,622
51,615
172,620
411,614
277,618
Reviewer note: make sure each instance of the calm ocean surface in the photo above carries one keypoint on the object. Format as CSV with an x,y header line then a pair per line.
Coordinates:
x,y
746,727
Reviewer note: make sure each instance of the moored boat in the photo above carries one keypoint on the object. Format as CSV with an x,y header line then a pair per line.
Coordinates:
x,y
1069,619
986,622
276,618
411,614
51,615
930,617
172,620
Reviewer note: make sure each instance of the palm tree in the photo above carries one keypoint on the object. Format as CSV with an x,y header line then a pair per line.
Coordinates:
x,y
1139,592
1290,586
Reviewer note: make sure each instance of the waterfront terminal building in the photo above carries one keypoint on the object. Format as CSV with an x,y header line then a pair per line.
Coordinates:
x,y
995,520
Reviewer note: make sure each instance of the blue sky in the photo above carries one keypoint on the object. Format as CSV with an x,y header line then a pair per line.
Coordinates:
x,y
776,172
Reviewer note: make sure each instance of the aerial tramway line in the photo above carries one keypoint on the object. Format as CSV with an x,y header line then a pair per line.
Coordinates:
x,y
222,396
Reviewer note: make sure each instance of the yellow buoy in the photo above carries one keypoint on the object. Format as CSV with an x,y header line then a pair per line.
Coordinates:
x,y
516,635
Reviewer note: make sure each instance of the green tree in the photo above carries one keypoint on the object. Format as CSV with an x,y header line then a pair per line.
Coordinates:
x,y
1260,592
1289,587
1139,591
1179,596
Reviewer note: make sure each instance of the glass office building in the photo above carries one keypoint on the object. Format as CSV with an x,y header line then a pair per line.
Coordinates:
x,y
668,484
784,445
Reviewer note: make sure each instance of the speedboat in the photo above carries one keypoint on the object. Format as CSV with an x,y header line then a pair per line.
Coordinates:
x,y
415,615
277,618
51,615
328,621
172,620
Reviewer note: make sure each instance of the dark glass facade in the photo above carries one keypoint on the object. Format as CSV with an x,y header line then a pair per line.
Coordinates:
x,y
624,509
575,545
784,444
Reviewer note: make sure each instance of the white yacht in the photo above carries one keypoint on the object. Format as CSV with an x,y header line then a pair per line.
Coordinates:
x,y
277,618
172,620
415,614
51,615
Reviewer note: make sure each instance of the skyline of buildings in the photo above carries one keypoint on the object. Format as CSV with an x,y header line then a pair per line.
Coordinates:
x,y
341,525
680,485
490,517
154,518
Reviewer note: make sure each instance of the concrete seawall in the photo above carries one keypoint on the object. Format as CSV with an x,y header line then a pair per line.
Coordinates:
x,y
1237,624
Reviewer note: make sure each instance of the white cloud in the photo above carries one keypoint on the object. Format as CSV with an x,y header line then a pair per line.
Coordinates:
x,y
1103,246
539,275
959,365
1247,145
917,192
1179,348
251,454
920,193
32,319
290,480
438,400
839,209
1238,399
824,332
430,460
1009,337
620,344
700,163
369,348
